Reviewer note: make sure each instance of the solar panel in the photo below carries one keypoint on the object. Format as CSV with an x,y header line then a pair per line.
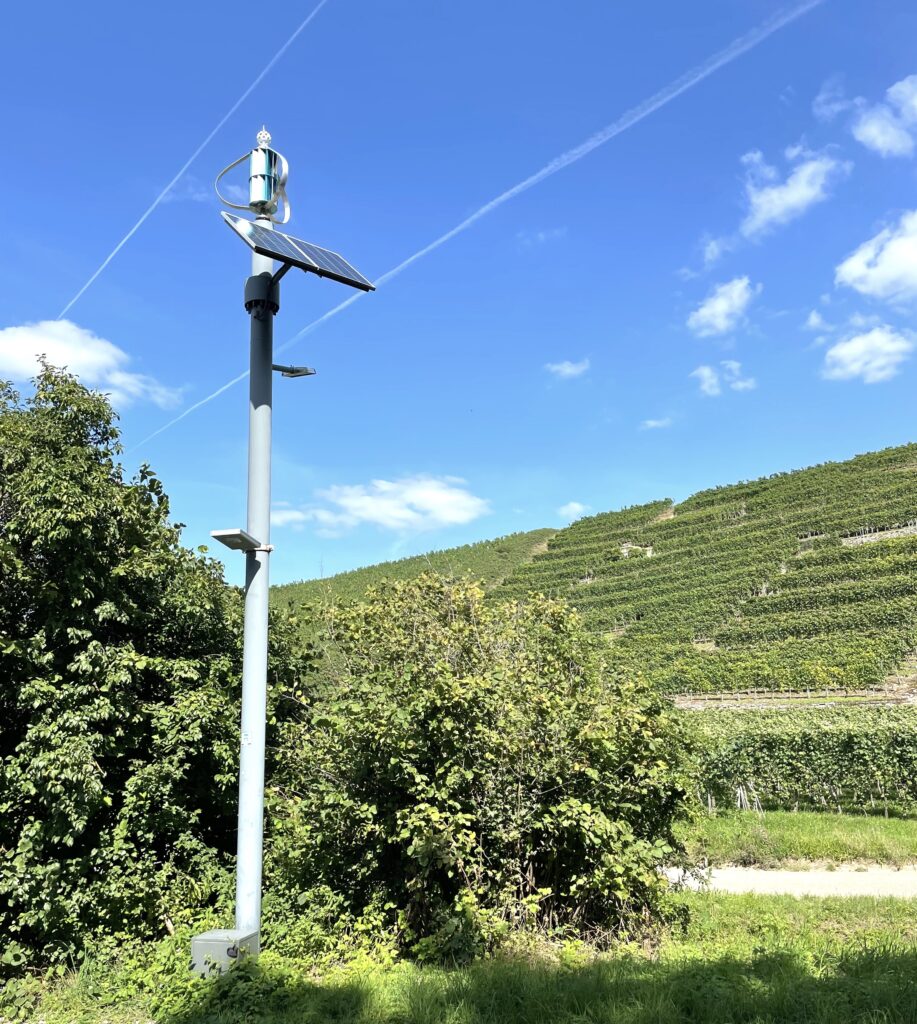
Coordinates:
x,y
305,255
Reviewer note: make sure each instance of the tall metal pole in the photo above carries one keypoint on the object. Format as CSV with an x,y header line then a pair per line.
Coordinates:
x,y
219,948
261,301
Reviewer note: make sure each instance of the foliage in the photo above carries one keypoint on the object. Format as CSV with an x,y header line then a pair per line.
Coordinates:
x,y
828,757
466,769
742,960
488,561
119,672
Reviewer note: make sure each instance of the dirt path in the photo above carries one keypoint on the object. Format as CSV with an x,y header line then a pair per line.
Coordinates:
x,y
841,881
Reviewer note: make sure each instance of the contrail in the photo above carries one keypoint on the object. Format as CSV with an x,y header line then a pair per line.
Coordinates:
x,y
267,67
687,81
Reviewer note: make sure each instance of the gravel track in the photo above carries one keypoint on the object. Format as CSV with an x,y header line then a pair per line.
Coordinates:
x,y
848,880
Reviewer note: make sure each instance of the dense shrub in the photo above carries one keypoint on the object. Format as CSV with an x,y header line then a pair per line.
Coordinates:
x,y
119,671
460,769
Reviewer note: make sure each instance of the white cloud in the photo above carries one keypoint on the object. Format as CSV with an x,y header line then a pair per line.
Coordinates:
x,y
659,424
724,308
711,380
566,369
861,320
816,322
530,239
708,379
713,249
413,503
903,96
772,202
885,266
191,190
572,510
98,363
873,357
880,130
732,375
237,193
830,100
889,128
288,517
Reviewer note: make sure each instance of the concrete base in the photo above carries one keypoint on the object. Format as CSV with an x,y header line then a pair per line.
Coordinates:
x,y
216,951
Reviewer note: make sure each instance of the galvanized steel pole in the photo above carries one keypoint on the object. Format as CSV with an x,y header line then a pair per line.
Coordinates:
x,y
261,302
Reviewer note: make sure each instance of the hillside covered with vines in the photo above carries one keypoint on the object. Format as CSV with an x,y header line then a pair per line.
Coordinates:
x,y
489,561
801,580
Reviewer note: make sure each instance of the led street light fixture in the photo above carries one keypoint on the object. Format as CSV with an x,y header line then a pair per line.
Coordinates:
x,y
293,371
237,540
297,253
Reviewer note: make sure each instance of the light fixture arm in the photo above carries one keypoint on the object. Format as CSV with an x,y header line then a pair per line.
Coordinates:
x,y
293,371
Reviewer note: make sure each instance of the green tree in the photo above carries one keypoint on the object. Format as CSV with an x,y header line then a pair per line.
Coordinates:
x,y
119,677
462,769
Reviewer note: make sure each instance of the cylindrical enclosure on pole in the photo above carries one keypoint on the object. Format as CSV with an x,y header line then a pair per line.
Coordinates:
x,y
257,583
263,179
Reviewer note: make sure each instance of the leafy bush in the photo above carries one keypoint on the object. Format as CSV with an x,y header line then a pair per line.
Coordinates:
x,y
463,769
119,670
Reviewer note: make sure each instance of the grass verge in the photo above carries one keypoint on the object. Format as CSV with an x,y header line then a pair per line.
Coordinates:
x,y
776,837
742,960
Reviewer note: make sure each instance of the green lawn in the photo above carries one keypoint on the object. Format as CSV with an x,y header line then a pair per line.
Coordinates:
x,y
743,960
775,837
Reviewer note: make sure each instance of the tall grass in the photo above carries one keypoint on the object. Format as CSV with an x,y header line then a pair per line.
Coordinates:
x,y
741,960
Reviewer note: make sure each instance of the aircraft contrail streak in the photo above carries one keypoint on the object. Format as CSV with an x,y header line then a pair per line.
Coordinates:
x,y
267,67
687,81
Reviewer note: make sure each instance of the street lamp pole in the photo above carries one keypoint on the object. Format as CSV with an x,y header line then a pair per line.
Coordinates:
x,y
262,303
218,949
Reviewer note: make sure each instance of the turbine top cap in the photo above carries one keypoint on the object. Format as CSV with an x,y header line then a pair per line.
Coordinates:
x,y
264,138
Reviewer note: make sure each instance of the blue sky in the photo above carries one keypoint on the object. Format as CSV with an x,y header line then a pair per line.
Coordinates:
x,y
723,289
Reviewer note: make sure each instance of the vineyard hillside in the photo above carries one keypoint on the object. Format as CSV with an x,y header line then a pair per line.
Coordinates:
x,y
489,561
799,581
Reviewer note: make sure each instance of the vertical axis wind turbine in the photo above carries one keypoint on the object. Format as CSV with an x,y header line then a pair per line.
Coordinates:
x,y
216,950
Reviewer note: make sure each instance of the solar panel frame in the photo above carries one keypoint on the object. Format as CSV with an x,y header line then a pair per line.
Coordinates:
x,y
298,253
332,264
277,244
